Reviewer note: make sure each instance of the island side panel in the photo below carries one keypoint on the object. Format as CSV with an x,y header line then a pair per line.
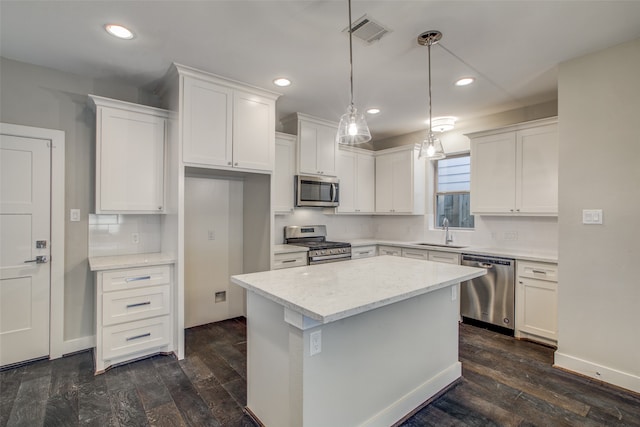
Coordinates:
x,y
373,367
268,365
377,366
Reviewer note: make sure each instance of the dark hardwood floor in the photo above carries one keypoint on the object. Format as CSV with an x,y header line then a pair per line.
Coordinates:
x,y
505,383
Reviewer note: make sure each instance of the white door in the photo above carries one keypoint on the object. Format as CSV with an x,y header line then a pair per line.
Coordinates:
x,y
25,183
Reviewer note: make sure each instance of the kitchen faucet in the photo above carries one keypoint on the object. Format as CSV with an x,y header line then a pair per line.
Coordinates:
x,y
448,237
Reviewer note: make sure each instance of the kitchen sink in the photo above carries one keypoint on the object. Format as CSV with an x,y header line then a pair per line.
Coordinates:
x,y
440,245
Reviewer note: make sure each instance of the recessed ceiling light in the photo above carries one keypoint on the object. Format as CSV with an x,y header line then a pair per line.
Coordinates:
x,y
119,31
465,81
373,111
282,82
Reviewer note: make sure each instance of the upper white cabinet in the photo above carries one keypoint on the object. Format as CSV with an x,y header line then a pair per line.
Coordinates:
x,y
400,181
514,170
225,124
283,174
356,171
130,157
316,143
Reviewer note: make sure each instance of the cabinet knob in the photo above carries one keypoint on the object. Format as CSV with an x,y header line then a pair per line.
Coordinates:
x,y
229,163
236,164
159,208
517,210
511,210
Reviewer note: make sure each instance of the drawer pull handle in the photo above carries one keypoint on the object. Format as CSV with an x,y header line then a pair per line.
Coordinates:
x,y
138,304
148,334
286,261
539,272
363,252
137,279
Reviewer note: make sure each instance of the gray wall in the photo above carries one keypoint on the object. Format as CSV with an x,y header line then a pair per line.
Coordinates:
x,y
46,98
599,288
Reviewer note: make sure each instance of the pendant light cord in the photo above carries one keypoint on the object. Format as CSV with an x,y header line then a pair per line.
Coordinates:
x,y
350,56
429,67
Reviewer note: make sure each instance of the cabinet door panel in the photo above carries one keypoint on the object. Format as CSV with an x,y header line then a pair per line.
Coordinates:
x,y
537,307
207,123
346,170
538,165
493,173
308,148
131,156
365,184
384,184
327,149
253,132
283,175
403,182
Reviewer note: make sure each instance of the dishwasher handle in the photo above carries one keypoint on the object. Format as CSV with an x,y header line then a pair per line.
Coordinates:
x,y
485,265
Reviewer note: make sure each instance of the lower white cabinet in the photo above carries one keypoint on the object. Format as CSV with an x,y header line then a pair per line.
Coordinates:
x,y
363,251
288,260
133,314
415,253
537,302
389,250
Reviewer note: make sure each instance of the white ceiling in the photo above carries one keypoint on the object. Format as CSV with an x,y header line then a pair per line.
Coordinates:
x,y
512,47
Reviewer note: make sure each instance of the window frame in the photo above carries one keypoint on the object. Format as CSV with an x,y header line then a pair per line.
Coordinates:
x,y
436,192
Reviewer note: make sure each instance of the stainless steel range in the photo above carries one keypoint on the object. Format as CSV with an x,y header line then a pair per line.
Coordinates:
x,y
315,238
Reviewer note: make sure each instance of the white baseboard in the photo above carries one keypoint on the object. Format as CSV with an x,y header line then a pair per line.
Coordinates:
x,y
599,372
416,397
78,344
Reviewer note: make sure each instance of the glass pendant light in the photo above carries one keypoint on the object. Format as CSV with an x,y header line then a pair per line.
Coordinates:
x,y
431,146
353,127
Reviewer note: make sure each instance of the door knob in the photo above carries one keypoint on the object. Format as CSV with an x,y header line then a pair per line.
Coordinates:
x,y
40,259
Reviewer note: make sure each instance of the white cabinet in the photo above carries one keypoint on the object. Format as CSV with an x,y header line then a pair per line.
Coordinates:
x,y
225,125
421,254
537,302
290,259
356,171
514,170
431,255
284,173
316,143
389,250
400,181
363,251
130,150
133,314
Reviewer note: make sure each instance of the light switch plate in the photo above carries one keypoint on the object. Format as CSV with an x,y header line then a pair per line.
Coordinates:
x,y
592,216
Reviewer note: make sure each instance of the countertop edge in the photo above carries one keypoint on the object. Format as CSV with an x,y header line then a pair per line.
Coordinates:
x,y
115,262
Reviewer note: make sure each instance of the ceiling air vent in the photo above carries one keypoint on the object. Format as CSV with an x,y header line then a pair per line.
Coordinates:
x,y
367,30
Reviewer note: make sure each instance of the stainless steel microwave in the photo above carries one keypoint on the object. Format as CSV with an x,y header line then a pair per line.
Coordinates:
x,y
317,191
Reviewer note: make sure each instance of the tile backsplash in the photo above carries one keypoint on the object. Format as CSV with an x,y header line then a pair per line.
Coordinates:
x,y
118,234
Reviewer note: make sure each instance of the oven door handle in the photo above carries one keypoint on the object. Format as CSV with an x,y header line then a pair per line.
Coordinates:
x,y
329,257
332,192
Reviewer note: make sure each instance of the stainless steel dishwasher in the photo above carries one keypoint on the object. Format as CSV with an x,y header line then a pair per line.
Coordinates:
x,y
490,298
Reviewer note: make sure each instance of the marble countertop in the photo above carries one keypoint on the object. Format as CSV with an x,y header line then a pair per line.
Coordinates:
x,y
101,263
329,292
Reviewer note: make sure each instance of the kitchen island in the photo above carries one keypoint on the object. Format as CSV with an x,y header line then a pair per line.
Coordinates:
x,y
360,342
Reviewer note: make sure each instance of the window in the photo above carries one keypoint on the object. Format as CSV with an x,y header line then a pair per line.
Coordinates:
x,y
452,191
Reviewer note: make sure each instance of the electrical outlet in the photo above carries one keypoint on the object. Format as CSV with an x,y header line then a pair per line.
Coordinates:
x,y
74,215
135,238
315,342
211,235
592,216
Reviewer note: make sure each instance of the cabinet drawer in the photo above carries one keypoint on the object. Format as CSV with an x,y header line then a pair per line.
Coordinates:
x,y
295,259
446,257
135,304
117,280
389,250
363,252
415,254
538,270
133,337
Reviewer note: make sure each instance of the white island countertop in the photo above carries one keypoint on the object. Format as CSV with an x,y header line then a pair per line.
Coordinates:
x,y
329,292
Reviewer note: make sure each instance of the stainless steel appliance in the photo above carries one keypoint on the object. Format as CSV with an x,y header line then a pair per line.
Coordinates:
x,y
315,238
317,191
490,298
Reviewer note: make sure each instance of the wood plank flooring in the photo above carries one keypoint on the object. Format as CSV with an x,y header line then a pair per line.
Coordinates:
x,y
505,383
